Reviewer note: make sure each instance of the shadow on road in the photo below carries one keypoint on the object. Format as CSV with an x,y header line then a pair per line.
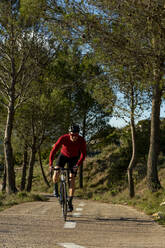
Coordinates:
x,y
91,219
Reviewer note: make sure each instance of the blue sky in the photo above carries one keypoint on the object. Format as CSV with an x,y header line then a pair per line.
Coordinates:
x,y
119,123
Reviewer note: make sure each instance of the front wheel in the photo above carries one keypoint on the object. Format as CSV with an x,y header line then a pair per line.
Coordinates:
x,y
63,197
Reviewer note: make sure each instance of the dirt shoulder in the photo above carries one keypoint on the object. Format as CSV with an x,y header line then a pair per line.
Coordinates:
x,y
91,224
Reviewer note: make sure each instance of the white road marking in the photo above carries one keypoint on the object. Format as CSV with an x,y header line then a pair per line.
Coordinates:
x,y
82,204
76,214
70,224
70,245
79,209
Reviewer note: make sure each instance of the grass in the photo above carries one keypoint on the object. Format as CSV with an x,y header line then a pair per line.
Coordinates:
x,y
7,201
38,187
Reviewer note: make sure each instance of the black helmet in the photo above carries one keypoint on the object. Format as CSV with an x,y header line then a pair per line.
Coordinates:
x,y
74,128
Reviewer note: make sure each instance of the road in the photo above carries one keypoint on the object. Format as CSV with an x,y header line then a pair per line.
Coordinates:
x,y
91,224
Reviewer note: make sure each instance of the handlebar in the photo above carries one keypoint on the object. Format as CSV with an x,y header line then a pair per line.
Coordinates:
x,y
64,169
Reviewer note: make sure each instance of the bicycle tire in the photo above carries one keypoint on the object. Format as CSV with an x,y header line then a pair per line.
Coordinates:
x,y
64,200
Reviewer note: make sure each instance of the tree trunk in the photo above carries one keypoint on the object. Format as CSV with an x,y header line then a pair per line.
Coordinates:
x,y
42,169
132,162
152,173
31,165
23,178
4,180
8,152
133,158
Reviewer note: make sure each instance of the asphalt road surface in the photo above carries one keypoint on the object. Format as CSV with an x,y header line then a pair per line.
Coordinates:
x,y
91,224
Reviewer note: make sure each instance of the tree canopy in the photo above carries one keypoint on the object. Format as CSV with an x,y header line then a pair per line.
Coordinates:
x,y
70,60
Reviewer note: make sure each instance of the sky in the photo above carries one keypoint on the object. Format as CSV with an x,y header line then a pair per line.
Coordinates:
x,y
119,123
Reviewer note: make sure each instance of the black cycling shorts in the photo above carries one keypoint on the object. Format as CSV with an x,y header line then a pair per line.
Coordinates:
x,y
62,160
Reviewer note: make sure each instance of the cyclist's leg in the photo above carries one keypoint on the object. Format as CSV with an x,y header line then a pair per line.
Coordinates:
x,y
60,162
55,181
72,176
56,175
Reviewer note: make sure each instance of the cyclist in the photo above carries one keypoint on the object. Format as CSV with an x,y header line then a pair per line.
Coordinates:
x,y
73,152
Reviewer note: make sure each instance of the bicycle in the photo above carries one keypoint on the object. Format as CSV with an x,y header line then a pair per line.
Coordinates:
x,y
64,185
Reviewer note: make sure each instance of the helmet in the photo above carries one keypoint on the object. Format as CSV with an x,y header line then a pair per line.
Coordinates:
x,y
74,128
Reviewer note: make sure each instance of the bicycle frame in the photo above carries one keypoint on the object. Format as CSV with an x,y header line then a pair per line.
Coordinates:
x,y
64,181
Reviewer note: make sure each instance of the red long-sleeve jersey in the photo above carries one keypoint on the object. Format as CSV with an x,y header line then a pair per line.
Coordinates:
x,y
69,148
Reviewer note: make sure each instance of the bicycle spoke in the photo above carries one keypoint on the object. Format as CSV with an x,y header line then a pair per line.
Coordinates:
x,y
63,196
63,192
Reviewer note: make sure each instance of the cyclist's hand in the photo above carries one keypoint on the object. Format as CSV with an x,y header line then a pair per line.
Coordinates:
x,y
75,168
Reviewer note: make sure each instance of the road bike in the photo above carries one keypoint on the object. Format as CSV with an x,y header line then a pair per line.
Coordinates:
x,y
64,185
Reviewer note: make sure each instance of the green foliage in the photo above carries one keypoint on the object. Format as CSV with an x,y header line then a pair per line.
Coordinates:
x,y
32,10
110,152
7,201
106,172
143,137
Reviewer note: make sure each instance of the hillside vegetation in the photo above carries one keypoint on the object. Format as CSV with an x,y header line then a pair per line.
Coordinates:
x,y
105,179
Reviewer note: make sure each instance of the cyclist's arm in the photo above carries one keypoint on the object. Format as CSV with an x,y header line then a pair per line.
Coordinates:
x,y
54,150
83,153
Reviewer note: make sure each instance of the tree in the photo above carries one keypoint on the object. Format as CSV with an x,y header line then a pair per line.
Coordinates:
x,y
37,122
79,78
131,105
125,30
19,65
